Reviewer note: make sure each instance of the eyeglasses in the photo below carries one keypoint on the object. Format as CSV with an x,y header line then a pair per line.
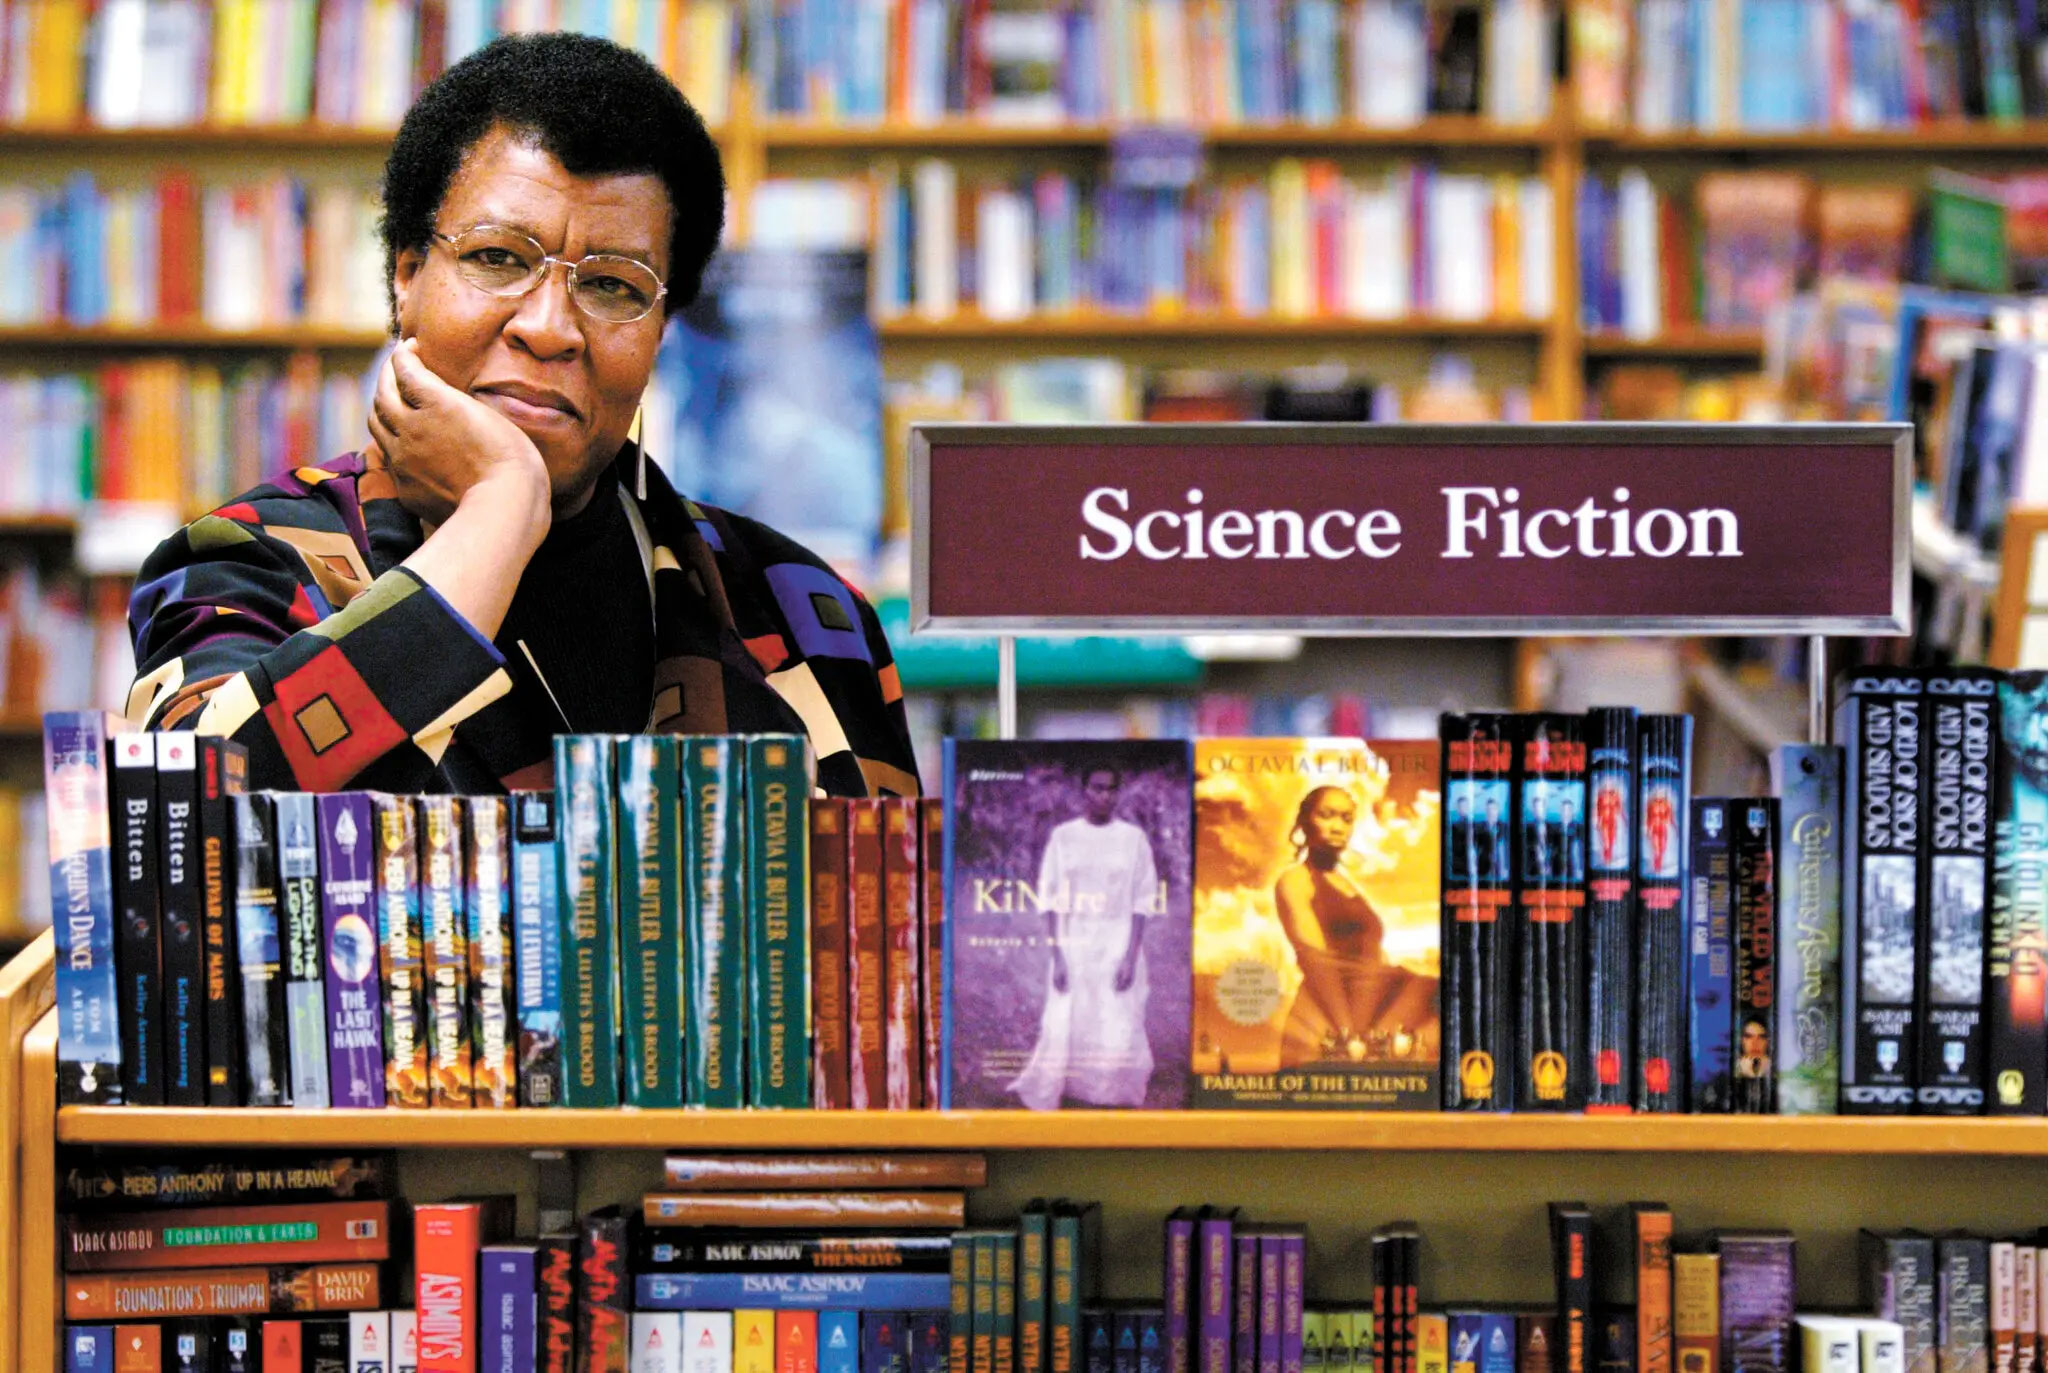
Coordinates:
x,y
504,262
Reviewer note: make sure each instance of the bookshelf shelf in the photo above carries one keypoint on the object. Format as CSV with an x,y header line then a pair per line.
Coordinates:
x,y
1442,132
1078,1130
1956,137
23,525
17,336
1109,327
1682,343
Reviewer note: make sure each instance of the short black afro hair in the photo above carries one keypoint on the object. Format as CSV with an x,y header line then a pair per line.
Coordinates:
x,y
597,108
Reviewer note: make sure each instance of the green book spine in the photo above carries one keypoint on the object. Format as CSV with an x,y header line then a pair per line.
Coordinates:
x,y
778,921
1006,1302
650,900
1337,1338
590,926
1031,1288
983,1354
1064,1323
714,958
960,1319
1314,1343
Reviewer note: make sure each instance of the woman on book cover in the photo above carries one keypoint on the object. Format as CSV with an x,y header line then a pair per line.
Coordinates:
x,y
500,564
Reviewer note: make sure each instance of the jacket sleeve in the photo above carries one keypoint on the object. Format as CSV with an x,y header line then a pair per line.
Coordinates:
x,y
889,761
234,635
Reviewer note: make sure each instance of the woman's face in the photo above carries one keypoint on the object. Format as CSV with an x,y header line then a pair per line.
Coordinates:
x,y
1329,824
570,382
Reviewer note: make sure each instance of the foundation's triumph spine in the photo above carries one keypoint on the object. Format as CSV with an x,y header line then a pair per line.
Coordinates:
x,y
1478,892
1610,906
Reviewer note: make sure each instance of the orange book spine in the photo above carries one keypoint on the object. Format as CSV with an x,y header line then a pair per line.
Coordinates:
x,y
446,1241
333,1232
140,1348
222,1292
866,941
931,951
283,1346
796,1342
830,1071
902,1045
1653,1288
784,1210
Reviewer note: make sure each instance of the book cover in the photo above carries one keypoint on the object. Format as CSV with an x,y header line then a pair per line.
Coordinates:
x,y
867,944
707,1342
831,1066
305,978
1899,1281
555,1302
1034,1239
1549,921
369,1342
138,954
927,1340
1710,984
1696,1312
184,950
265,1030
1651,1222
760,1251
508,1315
1478,893
590,1011
1753,1069
1068,871
1663,794
1878,720
796,1341
884,1342
278,1290
400,957
1958,752
1807,779
1756,1301
657,1342
714,925
650,877
1215,1242
355,1013
778,955
2016,964
1610,906
1177,1288
902,1043
1571,1250
931,946
493,1017
2003,1318
1004,1325
1075,1248
753,1339
1316,924
981,1343
209,1236
839,1343
444,950
537,922
448,1240
604,1296
223,773
1962,1303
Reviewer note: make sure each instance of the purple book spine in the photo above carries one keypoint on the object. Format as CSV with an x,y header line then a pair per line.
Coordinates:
x,y
1180,1262
355,1001
1756,1302
506,1325
1214,1293
1293,1279
1270,1264
1245,1311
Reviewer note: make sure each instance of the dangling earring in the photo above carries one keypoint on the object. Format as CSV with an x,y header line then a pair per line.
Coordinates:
x,y
639,452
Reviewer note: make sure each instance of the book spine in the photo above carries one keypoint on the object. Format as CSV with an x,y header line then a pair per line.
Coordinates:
x,y
1807,779
2016,966
981,1344
903,1072
2026,1309
555,1303
1962,1303
493,1013
537,920
184,955
1063,1318
960,1302
1033,1272
305,986
1433,1343
1696,1312
444,948
1270,1247
369,1342
406,1069
1005,1322
447,1243
796,1342
757,1251
1663,796
793,1172
1878,722
2004,1318
279,1291
1478,896
139,954
1549,925
326,1344
1754,1083
590,1018
223,773
1213,1237
88,1349
1177,1286
927,1342
203,1237
753,1339
1244,1332
604,1297
831,1066
1535,1337
1653,1287
1610,906
839,1343
283,1347
1756,1302
1293,1298
1958,749
932,938
778,928
650,877
867,956
1711,955
1571,1239
405,1343
355,1014
714,1034
1899,1285
884,1346
506,1337
264,1032
657,1342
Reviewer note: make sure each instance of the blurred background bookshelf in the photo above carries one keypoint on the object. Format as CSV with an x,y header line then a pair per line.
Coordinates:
x,y
1064,210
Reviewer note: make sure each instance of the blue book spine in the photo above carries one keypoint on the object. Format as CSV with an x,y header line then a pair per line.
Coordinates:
x,y
928,1332
1151,1329
884,1342
75,778
1710,946
838,1341
1496,1343
355,1000
539,950
88,1348
1467,1338
506,1320
792,1291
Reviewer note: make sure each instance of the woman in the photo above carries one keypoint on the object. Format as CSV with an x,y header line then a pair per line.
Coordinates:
x,y
1351,1001
499,564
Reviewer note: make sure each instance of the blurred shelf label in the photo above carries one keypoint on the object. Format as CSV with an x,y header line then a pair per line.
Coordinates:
x,y
928,662
115,536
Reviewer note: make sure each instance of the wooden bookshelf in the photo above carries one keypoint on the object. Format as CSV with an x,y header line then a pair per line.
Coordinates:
x,y
26,991
32,525
1100,326
1678,343
1445,132
127,336
1947,138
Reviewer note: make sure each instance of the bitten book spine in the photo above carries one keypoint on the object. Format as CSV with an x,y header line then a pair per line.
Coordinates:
x,y
778,957
444,950
355,1013
76,781
605,1295
2016,965
1958,749
1878,722
184,952
537,918
264,1033
590,1010
831,1071
1478,894
305,985
139,953
1710,1020
1663,794
867,942
493,1014
714,1012
1550,924
1610,906
223,774
1807,779
903,1070
406,1070
650,876
931,947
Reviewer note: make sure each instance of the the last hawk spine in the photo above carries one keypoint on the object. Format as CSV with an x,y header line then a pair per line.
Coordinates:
x,y
1878,722
1610,906
1958,752
1478,893
1663,802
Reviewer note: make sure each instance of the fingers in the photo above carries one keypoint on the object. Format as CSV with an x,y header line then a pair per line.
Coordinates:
x,y
407,374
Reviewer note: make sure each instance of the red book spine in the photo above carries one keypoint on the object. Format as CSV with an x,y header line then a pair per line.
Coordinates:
x,y
605,1299
865,977
278,1289
931,952
282,1346
555,1275
446,1238
903,1049
140,1349
204,1237
796,1342
830,1065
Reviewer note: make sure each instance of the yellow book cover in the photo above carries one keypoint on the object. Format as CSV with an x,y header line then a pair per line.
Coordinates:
x,y
58,76
1293,290
1316,913
226,61
1432,1342
706,60
753,1342
13,919
1508,301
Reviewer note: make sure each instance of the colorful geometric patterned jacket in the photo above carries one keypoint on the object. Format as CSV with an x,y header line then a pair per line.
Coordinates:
x,y
283,620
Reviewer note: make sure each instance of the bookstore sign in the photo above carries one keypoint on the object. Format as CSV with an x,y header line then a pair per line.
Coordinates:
x,y
1412,529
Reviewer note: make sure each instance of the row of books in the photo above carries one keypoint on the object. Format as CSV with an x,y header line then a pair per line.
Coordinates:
x,y
236,256
1305,241
348,63
62,638
24,867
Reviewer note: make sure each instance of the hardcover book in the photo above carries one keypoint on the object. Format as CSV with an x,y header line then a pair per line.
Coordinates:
x,y
1807,779
555,1303
1696,1312
867,945
590,1011
2016,965
1962,1303
1958,750
448,1241
902,1043
778,933
493,1017
1550,920
406,1069
444,948
255,1180
1756,1301
1478,893
138,954
1571,1248
1753,1067
184,949
355,1011
1068,935
217,1236
650,877
931,941
604,1296
1317,910
831,1068
1610,906
305,979
1899,1282
1710,988
1663,794
506,1335
279,1290
537,922
223,774
264,1026
714,922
